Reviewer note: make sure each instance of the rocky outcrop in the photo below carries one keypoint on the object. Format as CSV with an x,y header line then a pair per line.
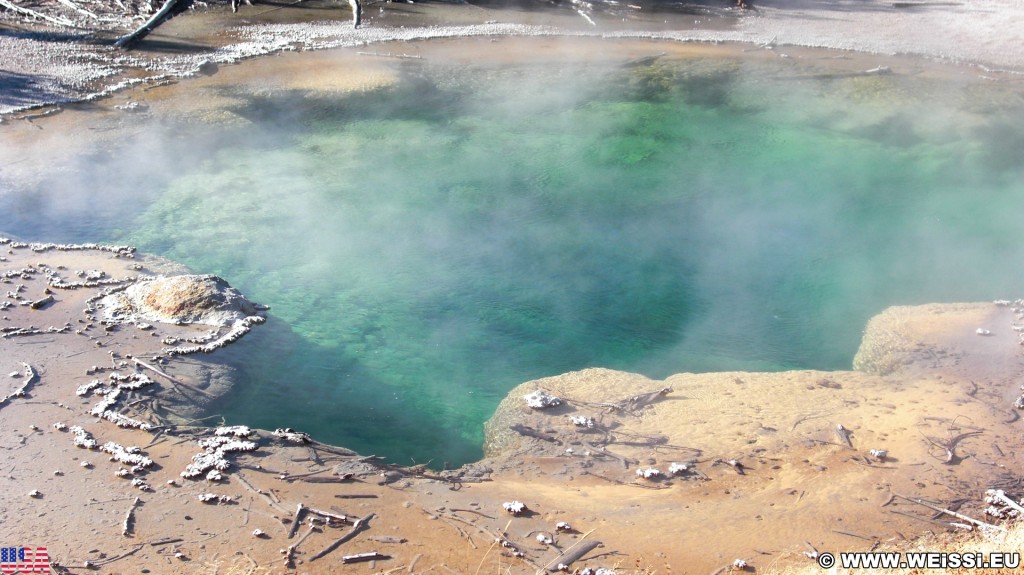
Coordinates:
x,y
198,299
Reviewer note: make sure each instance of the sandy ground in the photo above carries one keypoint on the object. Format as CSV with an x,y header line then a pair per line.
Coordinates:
x,y
926,381
45,66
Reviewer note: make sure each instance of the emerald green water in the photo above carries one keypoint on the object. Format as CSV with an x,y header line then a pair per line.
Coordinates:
x,y
427,247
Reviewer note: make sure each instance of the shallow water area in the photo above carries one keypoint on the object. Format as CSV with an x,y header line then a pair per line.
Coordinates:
x,y
431,230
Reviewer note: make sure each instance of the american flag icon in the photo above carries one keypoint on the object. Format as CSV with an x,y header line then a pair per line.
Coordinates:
x,y
24,560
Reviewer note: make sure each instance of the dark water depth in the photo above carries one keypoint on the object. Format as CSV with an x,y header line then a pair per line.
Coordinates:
x,y
426,247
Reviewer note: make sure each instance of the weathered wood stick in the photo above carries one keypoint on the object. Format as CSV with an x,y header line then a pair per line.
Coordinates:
x,y
299,509
342,518
79,9
308,532
528,431
637,401
844,435
412,565
625,461
950,446
133,551
1001,495
858,536
918,517
166,12
475,511
959,516
358,558
356,528
129,519
290,478
172,379
40,15
574,553
333,449
387,539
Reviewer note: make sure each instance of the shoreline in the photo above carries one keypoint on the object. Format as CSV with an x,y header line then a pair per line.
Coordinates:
x,y
49,71
754,459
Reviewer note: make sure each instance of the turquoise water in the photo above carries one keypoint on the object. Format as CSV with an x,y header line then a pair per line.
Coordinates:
x,y
427,247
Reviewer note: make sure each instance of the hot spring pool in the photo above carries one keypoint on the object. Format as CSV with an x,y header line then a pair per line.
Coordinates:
x,y
430,243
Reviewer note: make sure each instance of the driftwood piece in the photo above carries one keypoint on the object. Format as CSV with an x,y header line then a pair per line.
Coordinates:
x,y
289,554
357,13
1001,496
53,20
172,379
949,446
297,520
844,435
598,451
360,557
959,516
289,478
170,9
264,494
572,554
79,9
528,431
637,402
327,515
358,526
129,519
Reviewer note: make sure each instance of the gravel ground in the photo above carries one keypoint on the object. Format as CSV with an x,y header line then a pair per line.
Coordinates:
x,y
45,65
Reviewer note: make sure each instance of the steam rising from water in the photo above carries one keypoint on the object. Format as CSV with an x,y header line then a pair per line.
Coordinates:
x,y
427,247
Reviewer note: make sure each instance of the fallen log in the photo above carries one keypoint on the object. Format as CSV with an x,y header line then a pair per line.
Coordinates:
x,y
170,9
572,554
296,521
358,526
360,557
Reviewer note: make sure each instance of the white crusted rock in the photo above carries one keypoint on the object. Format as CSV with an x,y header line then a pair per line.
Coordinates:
x,y
515,508
678,468
234,431
541,399
128,456
648,473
